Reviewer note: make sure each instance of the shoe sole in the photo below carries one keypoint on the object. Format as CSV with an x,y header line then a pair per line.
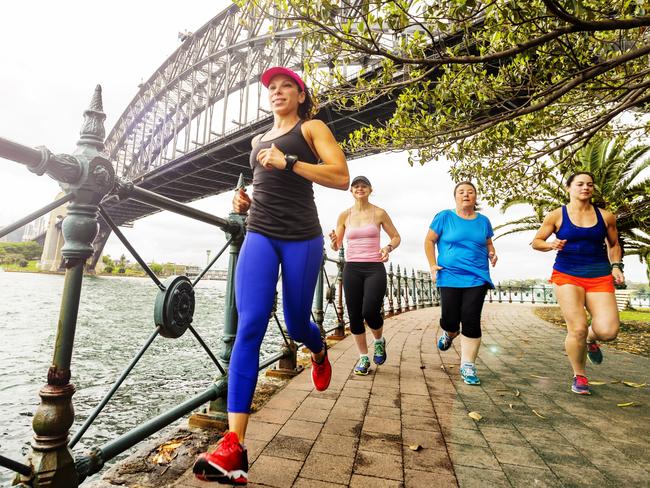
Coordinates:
x,y
206,471
581,392
377,362
470,383
359,373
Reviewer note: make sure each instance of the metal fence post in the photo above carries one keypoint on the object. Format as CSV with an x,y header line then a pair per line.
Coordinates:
x,y
415,291
391,310
398,294
339,332
52,461
319,314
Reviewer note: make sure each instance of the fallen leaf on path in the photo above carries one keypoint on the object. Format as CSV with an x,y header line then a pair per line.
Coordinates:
x,y
442,367
540,377
631,384
423,367
597,383
517,393
166,452
415,447
511,406
475,415
628,404
538,414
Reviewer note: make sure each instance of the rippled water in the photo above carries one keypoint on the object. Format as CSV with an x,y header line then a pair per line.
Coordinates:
x,y
115,319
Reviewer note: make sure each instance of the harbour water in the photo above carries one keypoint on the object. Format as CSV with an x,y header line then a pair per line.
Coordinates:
x,y
115,319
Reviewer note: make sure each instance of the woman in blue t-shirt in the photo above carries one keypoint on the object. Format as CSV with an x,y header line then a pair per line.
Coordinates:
x,y
461,272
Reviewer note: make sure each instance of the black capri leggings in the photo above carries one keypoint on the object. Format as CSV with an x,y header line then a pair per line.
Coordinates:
x,y
364,285
462,305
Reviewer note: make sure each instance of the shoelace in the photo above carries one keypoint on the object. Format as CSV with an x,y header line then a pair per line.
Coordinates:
x,y
228,442
582,381
469,371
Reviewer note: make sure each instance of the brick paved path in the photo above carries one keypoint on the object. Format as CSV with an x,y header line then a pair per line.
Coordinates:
x,y
358,432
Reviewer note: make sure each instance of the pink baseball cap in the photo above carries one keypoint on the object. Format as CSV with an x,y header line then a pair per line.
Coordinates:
x,y
268,75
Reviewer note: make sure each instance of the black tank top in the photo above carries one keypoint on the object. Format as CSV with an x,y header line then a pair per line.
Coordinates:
x,y
283,202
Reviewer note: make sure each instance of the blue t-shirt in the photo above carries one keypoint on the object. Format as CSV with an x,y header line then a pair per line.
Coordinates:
x,y
462,250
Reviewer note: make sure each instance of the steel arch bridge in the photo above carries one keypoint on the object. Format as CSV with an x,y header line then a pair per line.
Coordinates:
x,y
187,132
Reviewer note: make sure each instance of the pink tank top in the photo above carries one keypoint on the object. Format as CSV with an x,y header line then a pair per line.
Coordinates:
x,y
363,243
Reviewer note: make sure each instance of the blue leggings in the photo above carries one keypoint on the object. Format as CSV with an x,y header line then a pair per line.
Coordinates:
x,y
255,283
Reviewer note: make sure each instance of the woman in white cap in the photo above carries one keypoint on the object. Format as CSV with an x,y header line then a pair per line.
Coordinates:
x,y
283,231
364,274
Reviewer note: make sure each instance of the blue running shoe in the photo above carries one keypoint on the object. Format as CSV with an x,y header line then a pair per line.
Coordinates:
x,y
468,373
380,352
580,385
445,340
362,366
594,353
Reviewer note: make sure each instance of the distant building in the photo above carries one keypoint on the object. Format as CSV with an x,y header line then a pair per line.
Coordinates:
x,y
15,236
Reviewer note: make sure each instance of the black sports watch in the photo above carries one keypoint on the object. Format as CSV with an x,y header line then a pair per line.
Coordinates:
x,y
291,161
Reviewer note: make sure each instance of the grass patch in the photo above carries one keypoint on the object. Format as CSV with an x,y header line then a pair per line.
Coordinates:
x,y
32,267
639,315
633,336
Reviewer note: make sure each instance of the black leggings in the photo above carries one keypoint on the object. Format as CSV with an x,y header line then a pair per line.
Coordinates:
x,y
365,286
462,305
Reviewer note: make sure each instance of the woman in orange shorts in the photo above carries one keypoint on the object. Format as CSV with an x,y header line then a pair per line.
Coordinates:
x,y
587,264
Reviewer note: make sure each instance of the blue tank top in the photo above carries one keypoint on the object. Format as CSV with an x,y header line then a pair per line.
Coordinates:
x,y
584,254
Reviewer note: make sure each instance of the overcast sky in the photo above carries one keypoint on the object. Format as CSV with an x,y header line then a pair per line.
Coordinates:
x,y
53,55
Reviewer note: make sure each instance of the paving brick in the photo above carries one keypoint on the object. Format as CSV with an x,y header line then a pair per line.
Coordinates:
x,y
350,428
519,455
476,457
469,477
378,442
426,479
261,431
382,425
273,415
426,459
332,468
424,438
361,481
302,429
310,414
379,465
383,412
343,412
289,447
309,483
470,437
274,471
523,477
420,423
342,444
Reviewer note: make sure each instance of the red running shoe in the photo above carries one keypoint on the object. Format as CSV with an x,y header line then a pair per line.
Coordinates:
x,y
321,374
580,385
227,464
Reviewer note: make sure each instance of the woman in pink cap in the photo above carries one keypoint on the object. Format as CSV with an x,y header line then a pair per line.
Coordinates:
x,y
283,232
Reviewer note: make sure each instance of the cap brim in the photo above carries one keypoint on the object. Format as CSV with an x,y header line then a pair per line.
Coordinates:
x,y
270,73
